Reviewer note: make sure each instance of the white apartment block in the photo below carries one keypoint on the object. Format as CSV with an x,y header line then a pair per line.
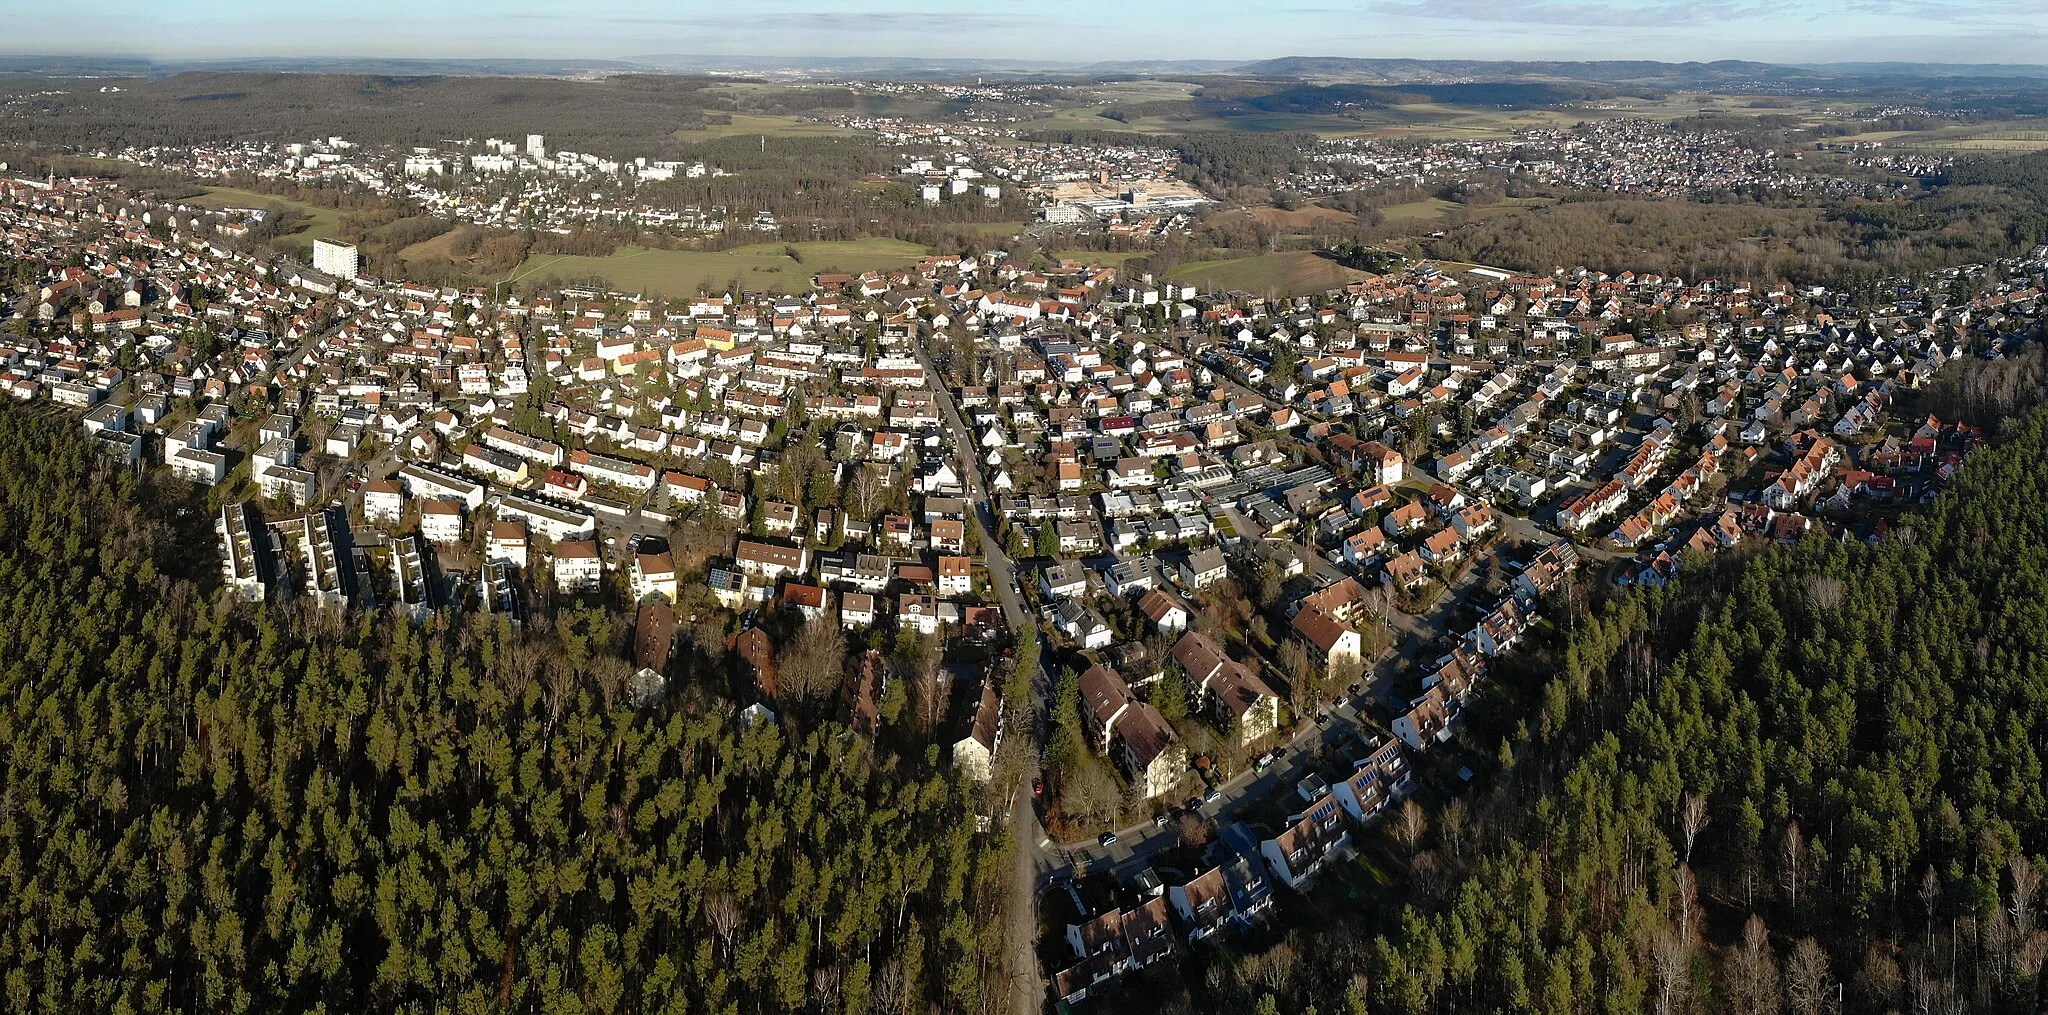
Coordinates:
x,y
333,257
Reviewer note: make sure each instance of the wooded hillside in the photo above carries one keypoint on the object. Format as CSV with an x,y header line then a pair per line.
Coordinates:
x,y
208,807
1813,776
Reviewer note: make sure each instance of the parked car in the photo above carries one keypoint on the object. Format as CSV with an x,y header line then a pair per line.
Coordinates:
x,y
1107,839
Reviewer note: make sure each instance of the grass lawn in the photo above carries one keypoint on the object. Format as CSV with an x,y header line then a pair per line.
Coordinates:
x,y
1098,256
1289,273
325,220
761,265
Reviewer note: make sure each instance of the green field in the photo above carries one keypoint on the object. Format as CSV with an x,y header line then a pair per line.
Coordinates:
x,y
992,230
1433,212
2003,136
774,126
1289,273
1088,118
324,220
1419,120
1148,90
439,248
1425,210
1412,120
679,272
1098,256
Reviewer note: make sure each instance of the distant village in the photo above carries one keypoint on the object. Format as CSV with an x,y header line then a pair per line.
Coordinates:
x,y
1122,190
1055,450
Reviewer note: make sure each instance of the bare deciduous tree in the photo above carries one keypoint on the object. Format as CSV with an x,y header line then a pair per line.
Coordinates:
x,y
867,490
889,996
1930,899
1809,987
1410,825
1452,826
1750,974
1880,985
1928,993
722,911
929,692
825,987
1088,793
811,665
560,681
1793,857
1432,877
1692,817
1672,956
1686,899
609,673
2026,888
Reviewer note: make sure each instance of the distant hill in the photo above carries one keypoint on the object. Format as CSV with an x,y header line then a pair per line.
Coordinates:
x,y
1317,69
1334,98
1978,71
621,114
915,67
140,66
1637,72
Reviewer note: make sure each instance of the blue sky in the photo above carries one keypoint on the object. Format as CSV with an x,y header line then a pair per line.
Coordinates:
x,y
1804,31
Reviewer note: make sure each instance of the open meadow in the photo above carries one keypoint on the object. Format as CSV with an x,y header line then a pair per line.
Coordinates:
x,y
760,265
744,124
325,221
1284,273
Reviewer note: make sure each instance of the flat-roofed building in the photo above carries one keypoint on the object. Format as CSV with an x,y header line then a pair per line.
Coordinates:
x,y
554,521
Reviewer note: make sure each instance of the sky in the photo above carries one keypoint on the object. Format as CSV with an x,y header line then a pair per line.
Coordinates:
x,y
1783,31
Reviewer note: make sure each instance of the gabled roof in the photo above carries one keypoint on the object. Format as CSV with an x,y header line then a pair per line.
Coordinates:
x,y
1145,734
1319,628
1157,605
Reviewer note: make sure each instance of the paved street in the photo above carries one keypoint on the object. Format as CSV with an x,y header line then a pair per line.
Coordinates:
x,y
1040,862
1033,864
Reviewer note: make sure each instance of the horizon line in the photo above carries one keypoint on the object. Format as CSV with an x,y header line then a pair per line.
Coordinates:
x,y
797,60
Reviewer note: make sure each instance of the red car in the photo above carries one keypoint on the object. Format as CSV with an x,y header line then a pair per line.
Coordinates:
x,y
1037,788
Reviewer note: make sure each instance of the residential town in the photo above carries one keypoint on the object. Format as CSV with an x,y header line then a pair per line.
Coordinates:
x,y
1233,521
1124,190
1623,155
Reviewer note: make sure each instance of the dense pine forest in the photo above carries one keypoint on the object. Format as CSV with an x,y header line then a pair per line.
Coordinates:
x,y
208,807
1809,782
